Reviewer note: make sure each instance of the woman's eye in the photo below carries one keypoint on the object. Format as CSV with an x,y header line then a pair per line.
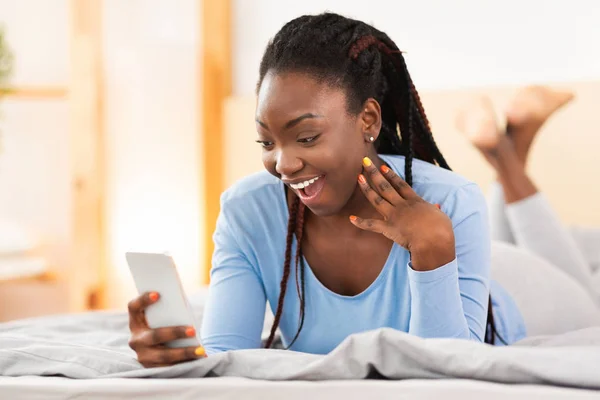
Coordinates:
x,y
308,139
264,143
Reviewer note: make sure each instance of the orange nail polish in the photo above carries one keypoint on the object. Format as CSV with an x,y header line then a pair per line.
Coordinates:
x,y
353,218
190,332
153,296
200,351
367,162
361,178
438,206
385,169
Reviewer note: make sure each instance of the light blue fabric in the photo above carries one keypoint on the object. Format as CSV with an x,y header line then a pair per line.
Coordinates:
x,y
449,302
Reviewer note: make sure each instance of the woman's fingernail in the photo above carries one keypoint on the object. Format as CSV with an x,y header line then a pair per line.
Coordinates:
x,y
153,296
367,162
361,178
200,351
353,218
385,169
190,332
438,206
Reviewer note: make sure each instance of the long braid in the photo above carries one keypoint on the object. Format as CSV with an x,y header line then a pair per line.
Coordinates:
x,y
286,270
299,233
409,147
423,121
295,223
299,267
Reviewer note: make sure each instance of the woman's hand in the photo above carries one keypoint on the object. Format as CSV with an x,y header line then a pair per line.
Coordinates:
x,y
418,226
149,344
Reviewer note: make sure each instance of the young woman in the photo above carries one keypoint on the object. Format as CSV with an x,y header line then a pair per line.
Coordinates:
x,y
357,222
519,213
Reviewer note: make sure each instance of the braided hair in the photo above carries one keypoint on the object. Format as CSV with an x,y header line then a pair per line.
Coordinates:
x,y
365,63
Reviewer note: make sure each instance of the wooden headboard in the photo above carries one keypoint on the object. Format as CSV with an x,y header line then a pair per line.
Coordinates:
x,y
564,161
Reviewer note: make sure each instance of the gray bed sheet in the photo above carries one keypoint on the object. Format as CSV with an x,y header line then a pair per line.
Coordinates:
x,y
94,345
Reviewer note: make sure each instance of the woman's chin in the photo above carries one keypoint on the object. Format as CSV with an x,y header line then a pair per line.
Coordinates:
x,y
326,206
326,202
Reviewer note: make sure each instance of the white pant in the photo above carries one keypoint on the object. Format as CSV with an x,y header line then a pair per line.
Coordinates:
x,y
554,272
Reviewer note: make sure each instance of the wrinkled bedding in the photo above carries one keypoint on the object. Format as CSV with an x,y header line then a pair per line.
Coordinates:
x,y
94,345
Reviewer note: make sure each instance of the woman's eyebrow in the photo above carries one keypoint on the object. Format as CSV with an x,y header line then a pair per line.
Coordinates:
x,y
293,122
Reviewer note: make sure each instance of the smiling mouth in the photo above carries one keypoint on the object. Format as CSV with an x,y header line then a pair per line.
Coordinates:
x,y
302,185
309,190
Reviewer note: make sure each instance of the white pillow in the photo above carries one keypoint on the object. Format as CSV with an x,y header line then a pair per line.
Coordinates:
x,y
550,301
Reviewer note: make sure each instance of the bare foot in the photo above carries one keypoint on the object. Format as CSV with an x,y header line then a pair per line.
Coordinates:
x,y
477,121
528,111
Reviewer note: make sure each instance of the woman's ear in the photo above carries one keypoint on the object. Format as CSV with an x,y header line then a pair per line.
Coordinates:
x,y
371,120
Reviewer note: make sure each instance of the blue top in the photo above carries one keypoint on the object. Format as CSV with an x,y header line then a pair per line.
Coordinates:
x,y
448,302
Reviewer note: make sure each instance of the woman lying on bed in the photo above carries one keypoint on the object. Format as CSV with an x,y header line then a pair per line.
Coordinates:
x,y
357,222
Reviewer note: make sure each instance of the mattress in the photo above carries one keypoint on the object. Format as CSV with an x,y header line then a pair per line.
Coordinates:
x,y
51,388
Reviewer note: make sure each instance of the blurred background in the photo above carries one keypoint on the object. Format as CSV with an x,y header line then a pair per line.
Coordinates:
x,y
122,121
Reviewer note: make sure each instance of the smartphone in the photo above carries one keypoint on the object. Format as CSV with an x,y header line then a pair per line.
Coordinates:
x,y
156,272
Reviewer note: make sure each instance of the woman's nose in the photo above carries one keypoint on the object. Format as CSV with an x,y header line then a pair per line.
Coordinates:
x,y
287,163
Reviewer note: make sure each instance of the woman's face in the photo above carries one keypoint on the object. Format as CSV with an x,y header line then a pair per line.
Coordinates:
x,y
310,141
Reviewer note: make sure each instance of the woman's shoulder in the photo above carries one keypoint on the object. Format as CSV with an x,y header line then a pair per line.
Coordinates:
x,y
260,185
425,173
253,214
455,193
257,199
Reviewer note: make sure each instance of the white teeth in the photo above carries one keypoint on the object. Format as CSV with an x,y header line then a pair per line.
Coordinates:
x,y
304,184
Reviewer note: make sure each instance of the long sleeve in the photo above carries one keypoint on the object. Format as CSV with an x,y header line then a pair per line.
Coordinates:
x,y
235,310
452,300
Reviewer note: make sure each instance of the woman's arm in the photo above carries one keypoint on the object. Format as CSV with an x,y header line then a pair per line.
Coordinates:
x,y
452,300
449,271
235,310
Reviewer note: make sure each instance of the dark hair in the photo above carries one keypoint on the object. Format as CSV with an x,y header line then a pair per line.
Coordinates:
x,y
366,63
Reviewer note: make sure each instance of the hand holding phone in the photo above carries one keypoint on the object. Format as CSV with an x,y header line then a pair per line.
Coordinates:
x,y
160,319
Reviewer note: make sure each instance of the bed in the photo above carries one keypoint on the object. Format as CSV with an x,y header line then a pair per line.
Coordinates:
x,y
86,356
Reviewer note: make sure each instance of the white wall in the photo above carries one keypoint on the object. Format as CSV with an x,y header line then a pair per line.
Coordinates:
x,y
34,165
449,44
153,187
153,192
